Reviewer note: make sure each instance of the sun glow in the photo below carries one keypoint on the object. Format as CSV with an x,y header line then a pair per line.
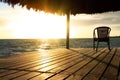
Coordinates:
x,y
38,25
19,22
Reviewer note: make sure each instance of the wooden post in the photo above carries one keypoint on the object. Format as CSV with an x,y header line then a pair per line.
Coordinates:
x,y
68,30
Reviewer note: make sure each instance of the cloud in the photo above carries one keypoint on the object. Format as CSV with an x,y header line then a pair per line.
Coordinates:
x,y
85,23
110,18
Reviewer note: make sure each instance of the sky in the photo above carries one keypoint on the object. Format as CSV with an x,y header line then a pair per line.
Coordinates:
x,y
18,22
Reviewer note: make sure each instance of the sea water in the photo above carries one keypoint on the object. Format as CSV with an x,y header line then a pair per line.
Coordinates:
x,y
17,46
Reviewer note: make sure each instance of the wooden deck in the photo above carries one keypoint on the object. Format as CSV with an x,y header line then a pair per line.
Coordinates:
x,y
62,64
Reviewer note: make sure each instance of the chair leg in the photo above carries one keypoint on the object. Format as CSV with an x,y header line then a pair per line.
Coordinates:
x,y
97,45
94,45
109,45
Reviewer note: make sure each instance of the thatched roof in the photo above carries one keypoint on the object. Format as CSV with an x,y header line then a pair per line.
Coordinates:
x,y
63,6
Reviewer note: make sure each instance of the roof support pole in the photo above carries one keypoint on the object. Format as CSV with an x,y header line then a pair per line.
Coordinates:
x,y
68,30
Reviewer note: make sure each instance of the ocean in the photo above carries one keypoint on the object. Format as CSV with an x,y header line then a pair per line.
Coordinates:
x,y
18,46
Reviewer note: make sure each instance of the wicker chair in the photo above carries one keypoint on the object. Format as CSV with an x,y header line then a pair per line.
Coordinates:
x,y
101,34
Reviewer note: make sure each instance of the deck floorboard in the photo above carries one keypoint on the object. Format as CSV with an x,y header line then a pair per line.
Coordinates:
x,y
62,64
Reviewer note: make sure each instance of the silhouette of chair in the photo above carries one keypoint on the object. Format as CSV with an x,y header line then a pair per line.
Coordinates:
x,y
101,34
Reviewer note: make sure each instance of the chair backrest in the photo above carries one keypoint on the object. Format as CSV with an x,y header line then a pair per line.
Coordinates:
x,y
102,33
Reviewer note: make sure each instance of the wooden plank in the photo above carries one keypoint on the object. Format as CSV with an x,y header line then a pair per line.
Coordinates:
x,y
48,62
22,61
26,76
2,70
80,74
42,76
112,70
63,61
72,68
7,72
73,62
54,61
119,65
119,73
25,58
10,76
98,71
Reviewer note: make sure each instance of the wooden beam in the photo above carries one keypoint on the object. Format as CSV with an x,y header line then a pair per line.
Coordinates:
x,y
68,30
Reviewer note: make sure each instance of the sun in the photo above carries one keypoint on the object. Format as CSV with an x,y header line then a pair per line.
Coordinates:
x,y
38,25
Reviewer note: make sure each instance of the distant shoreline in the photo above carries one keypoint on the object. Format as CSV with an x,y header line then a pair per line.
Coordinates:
x,y
54,38
114,36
